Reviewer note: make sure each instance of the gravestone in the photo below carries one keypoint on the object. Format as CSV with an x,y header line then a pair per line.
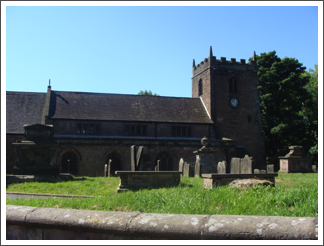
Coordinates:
x,y
109,167
295,161
197,167
246,165
186,170
133,160
206,157
235,165
157,167
105,170
314,168
192,169
36,152
181,165
256,171
221,167
139,159
263,171
270,168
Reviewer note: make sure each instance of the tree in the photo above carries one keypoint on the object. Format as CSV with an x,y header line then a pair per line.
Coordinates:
x,y
310,111
147,93
283,97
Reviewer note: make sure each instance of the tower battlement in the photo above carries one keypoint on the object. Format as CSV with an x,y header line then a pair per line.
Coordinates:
x,y
211,61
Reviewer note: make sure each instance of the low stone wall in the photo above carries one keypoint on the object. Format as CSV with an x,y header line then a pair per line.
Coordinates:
x,y
30,223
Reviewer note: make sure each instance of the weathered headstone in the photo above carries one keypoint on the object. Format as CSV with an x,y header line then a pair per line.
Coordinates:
x,y
263,171
295,161
105,170
206,157
139,158
221,167
37,152
109,167
314,168
181,165
246,165
186,170
270,168
133,160
256,171
235,165
157,167
197,167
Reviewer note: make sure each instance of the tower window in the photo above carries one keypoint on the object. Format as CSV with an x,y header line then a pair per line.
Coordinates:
x,y
233,85
200,88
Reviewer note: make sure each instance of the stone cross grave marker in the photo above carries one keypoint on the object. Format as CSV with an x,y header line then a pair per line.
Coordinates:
x,y
109,167
181,166
270,168
235,165
221,167
186,169
246,165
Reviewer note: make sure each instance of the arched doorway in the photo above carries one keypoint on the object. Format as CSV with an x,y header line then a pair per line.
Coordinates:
x,y
115,158
69,163
166,163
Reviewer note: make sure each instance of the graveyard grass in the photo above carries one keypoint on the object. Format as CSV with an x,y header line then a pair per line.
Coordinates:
x,y
294,195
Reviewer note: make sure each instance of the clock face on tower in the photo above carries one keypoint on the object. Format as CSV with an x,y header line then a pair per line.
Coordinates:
x,y
234,102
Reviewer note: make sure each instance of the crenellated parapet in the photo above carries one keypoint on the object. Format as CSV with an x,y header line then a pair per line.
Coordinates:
x,y
211,61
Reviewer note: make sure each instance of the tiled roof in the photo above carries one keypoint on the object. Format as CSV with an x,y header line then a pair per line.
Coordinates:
x,y
103,106
23,108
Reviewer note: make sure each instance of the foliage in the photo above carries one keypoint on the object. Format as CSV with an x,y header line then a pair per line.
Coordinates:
x,y
288,198
310,111
147,93
285,104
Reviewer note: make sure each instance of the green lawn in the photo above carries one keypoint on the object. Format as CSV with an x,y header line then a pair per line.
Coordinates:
x,y
294,195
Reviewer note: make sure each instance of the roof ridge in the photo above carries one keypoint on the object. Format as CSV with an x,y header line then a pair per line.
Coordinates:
x,y
25,92
119,94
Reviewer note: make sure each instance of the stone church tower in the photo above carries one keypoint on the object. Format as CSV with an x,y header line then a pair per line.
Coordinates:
x,y
228,90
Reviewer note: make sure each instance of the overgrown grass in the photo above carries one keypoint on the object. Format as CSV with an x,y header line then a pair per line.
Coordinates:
x,y
294,195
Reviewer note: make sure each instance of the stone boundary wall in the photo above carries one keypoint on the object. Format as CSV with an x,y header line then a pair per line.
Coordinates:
x,y
30,223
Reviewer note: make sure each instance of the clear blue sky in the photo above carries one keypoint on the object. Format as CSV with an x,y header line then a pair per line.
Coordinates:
x,y
124,50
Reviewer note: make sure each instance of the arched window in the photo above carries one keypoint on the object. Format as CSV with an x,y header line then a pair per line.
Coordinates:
x,y
166,163
200,88
69,163
115,158
233,85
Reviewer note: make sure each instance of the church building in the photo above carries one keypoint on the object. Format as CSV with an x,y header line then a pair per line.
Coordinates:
x,y
91,128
